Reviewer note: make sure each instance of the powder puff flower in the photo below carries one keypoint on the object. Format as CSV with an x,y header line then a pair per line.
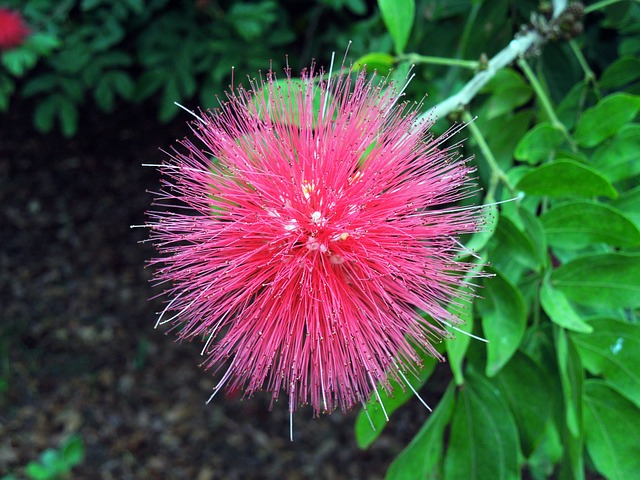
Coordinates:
x,y
12,29
308,235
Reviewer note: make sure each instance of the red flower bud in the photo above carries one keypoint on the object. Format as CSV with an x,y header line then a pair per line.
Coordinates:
x,y
13,30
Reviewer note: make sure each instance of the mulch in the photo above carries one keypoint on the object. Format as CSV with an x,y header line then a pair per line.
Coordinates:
x,y
78,348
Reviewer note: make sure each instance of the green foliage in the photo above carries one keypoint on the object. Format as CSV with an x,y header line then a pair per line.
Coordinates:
x,y
555,392
372,419
612,431
56,464
86,54
484,440
398,16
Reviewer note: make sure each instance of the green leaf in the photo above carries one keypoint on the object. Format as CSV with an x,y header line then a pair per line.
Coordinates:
x,y
602,280
566,178
503,141
73,451
539,143
18,60
287,95
36,471
560,311
571,379
508,91
574,225
503,320
619,158
515,244
603,120
457,346
629,204
44,114
422,458
548,451
612,430
170,95
7,87
68,114
488,223
375,413
398,16
43,43
252,20
535,231
613,351
484,440
526,389
375,61
623,71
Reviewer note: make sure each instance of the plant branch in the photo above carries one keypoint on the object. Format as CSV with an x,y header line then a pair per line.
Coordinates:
x,y
544,100
497,174
521,44
589,76
453,62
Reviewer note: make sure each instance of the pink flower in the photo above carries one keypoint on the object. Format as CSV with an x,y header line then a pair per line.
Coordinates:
x,y
12,29
304,237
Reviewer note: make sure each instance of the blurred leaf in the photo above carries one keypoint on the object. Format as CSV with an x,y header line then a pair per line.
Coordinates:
x,y
560,311
109,34
619,158
546,454
7,87
43,43
110,83
149,83
621,72
422,458
488,223
43,116
68,114
572,462
457,346
566,178
375,413
526,389
288,95
398,16
251,20
36,471
87,5
170,95
515,244
18,60
375,61
629,204
574,225
484,440
601,280
539,143
612,429
572,105
73,451
571,379
508,91
535,231
603,120
503,141
137,6
613,351
503,320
